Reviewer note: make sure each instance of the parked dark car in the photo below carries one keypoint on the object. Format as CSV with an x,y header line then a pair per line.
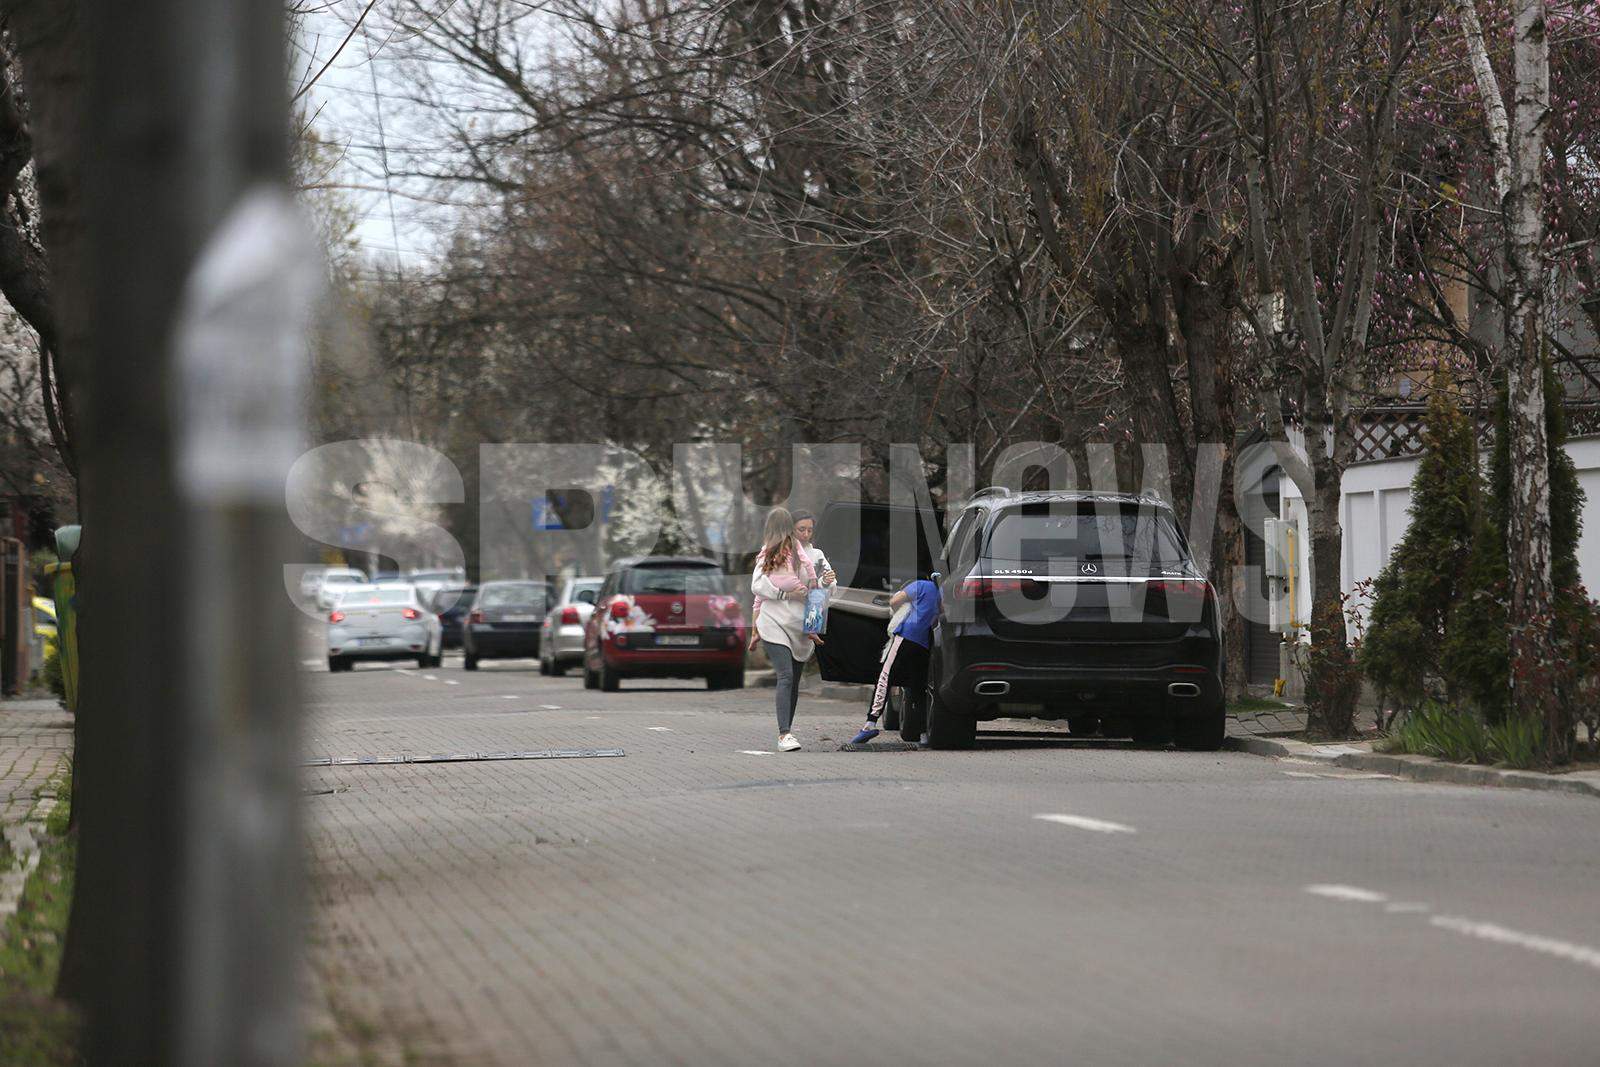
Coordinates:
x,y
504,622
451,604
665,617
1059,605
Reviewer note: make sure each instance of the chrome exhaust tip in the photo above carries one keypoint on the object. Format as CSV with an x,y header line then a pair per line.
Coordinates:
x,y
993,687
1183,689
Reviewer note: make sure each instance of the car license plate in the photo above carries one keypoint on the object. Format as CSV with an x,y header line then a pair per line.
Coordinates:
x,y
519,618
372,640
677,639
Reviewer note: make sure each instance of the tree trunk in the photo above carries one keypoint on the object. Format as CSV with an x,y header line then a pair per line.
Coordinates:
x,y
1333,683
1528,535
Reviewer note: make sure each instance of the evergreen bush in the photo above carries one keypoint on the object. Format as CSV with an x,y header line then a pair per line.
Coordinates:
x,y
1415,593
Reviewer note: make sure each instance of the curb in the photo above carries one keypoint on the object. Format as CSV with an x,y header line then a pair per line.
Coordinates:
x,y
1418,768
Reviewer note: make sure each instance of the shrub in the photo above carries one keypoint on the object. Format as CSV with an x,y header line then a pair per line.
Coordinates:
x,y
1415,593
51,674
1476,652
1518,741
1435,729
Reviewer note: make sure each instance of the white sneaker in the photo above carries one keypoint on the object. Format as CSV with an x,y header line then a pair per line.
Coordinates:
x,y
787,743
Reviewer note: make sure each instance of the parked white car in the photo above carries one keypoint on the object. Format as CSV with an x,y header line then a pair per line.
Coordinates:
x,y
336,581
561,637
382,624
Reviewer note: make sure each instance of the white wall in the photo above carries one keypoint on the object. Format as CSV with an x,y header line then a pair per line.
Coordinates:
x,y
1374,515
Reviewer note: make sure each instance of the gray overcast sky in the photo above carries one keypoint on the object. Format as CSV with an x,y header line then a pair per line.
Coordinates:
x,y
360,108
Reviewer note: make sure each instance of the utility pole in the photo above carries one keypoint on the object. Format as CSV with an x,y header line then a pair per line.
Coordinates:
x,y
189,836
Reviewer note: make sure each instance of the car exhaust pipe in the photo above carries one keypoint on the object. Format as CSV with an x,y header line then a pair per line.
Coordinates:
x,y
992,687
1183,689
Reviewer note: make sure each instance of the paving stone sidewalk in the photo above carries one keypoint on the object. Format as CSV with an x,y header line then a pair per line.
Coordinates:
x,y
34,737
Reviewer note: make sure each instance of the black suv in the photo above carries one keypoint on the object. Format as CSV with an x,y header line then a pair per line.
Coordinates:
x,y
1067,605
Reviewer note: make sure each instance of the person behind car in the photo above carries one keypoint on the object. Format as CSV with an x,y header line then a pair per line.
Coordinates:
x,y
783,575
905,659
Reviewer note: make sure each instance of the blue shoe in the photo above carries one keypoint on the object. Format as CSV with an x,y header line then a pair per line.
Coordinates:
x,y
867,734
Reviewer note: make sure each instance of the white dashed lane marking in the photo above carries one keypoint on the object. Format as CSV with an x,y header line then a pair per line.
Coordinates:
x,y
755,752
1082,822
1584,955
661,729
1347,892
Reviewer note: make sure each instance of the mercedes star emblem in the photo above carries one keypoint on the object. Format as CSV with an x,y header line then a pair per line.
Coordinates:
x,y
1089,568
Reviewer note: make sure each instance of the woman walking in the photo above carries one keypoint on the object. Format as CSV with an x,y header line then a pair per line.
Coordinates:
x,y
783,575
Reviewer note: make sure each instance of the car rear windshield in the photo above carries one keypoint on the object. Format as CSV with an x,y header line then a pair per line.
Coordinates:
x,y
513,596
1038,533
379,596
674,580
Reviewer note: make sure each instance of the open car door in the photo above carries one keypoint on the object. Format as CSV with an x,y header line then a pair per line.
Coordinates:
x,y
860,541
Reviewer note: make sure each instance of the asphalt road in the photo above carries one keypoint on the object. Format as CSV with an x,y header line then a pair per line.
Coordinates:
x,y
701,900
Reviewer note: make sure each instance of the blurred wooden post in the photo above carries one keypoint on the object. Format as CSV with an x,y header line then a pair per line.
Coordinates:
x,y
188,837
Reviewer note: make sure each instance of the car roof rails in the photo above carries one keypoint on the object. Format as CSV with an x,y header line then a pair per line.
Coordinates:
x,y
988,491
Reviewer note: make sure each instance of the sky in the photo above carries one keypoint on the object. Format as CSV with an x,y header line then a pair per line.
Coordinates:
x,y
359,106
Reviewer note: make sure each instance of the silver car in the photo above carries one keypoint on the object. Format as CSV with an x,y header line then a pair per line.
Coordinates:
x,y
561,636
336,581
382,624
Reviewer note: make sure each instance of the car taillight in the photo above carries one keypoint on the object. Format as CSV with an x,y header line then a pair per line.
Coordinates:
x,y
619,609
569,616
410,613
985,588
476,616
1179,588
337,616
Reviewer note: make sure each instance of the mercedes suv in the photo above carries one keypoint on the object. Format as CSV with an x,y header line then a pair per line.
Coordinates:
x,y
1082,606
1086,607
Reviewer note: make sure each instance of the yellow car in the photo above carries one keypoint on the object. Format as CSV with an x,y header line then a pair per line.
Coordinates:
x,y
44,622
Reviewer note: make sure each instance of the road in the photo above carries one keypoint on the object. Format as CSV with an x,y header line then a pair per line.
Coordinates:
x,y
699,901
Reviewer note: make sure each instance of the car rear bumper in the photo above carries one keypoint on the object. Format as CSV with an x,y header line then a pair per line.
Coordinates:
x,y
671,662
566,644
394,646
1164,678
500,643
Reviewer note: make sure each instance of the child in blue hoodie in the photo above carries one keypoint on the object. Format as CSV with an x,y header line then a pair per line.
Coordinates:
x,y
905,660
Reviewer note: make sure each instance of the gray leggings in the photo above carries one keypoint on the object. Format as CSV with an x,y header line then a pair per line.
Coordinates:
x,y
787,669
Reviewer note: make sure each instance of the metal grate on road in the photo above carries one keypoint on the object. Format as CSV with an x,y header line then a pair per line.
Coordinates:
x,y
462,757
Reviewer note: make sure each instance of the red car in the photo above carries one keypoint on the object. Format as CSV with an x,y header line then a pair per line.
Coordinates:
x,y
665,617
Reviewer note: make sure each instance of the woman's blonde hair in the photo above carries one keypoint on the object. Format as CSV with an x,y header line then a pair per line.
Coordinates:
x,y
777,539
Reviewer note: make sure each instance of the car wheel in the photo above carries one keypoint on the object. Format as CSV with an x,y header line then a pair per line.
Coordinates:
x,y
891,708
469,662
1202,732
945,728
913,717
609,682
557,668
337,664
544,667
